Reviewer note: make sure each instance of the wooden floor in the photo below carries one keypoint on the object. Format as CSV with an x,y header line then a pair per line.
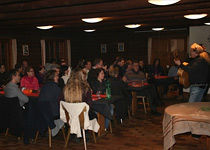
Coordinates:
x,y
143,132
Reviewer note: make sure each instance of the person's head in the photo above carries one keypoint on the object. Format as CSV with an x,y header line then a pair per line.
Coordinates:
x,y
141,63
156,62
14,76
41,69
53,61
135,65
98,63
75,86
25,63
120,61
29,71
128,65
195,50
51,76
2,68
64,70
61,61
100,74
88,64
19,68
203,46
56,68
80,64
114,72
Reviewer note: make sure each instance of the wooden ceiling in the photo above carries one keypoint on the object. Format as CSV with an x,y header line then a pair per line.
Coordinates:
x,y
66,15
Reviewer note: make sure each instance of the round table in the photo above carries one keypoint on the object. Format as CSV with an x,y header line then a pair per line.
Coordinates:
x,y
185,117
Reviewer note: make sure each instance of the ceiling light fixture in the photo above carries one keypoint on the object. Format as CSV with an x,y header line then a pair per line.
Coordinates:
x,y
157,29
92,20
132,25
195,16
44,27
92,30
163,2
207,23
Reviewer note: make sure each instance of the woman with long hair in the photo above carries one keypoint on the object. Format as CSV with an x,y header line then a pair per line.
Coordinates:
x,y
77,90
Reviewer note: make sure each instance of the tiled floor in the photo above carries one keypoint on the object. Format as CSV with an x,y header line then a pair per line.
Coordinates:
x,y
143,132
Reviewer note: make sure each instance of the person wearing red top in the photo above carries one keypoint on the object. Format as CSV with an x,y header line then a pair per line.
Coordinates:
x,y
29,81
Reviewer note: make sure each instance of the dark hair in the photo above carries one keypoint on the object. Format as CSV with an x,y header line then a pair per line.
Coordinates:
x,y
11,73
156,59
86,62
135,61
62,70
28,69
49,76
118,59
40,68
80,64
128,62
98,70
52,60
17,66
97,61
1,65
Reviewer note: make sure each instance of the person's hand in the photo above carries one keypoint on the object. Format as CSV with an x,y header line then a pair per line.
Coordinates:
x,y
177,62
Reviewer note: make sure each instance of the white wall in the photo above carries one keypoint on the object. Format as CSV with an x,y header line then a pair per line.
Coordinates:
x,y
200,35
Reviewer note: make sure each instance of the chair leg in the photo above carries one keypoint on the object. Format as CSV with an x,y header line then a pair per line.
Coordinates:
x,y
7,131
110,126
84,139
37,134
94,137
64,135
50,137
145,109
67,138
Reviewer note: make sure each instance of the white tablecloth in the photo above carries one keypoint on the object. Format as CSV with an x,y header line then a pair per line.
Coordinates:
x,y
185,117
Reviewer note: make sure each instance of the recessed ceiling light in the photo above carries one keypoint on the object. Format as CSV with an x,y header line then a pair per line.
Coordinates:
x,y
163,2
132,25
92,20
195,16
157,29
207,23
44,27
92,30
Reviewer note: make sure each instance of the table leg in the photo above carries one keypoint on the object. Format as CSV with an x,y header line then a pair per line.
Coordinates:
x,y
134,103
101,122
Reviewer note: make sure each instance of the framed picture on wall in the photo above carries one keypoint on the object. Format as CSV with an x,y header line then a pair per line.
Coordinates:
x,y
103,48
25,50
121,47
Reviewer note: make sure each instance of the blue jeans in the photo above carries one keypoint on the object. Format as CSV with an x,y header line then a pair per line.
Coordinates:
x,y
107,121
196,93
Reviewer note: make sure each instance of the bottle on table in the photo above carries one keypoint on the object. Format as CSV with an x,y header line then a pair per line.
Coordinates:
x,y
108,89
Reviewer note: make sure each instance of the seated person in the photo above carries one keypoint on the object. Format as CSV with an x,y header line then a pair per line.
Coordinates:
x,y
119,88
40,75
12,90
156,69
99,86
77,90
29,81
3,76
173,79
60,80
135,75
51,92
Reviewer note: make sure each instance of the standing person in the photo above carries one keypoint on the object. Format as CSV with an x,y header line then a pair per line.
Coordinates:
x,y
29,81
2,75
143,68
198,70
87,67
119,63
64,73
12,90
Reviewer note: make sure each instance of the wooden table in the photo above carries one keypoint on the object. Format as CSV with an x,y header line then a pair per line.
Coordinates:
x,y
186,117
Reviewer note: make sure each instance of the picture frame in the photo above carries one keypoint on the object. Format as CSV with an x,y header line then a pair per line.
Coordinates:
x,y
25,50
121,47
103,48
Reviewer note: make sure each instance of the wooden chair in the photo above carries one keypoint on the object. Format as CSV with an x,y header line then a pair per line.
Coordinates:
x,y
81,117
144,98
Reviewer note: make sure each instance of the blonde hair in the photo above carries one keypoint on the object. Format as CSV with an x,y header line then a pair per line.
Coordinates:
x,y
75,87
205,56
113,71
196,48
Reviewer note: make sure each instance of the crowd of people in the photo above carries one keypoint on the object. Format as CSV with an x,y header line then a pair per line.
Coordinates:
x,y
57,81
